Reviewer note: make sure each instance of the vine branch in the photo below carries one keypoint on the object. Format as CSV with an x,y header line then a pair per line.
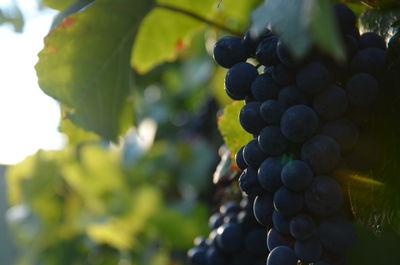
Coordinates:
x,y
199,18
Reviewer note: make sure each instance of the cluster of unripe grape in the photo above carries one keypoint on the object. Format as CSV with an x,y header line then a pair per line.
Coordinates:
x,y
306,116
235,239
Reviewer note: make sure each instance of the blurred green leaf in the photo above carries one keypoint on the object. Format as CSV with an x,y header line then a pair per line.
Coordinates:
x,y
59,4
325,31
233,134
300,24
90,73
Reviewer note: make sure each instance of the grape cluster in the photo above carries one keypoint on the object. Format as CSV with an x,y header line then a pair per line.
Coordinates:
x,y
307,117
235,238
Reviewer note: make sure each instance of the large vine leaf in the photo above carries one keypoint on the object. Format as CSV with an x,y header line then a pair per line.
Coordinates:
x,y
85,64
234,135
300,24
169,31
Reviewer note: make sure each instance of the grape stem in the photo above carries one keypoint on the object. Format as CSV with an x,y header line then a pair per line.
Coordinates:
x,y
199,18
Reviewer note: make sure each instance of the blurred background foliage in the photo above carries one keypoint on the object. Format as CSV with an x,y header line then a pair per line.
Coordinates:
x,y
139,100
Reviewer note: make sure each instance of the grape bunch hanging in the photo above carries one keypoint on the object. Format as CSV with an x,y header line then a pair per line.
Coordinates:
x,y
235,238
307,120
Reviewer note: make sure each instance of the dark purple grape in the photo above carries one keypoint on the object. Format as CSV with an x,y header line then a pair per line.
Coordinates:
x,y
250,118
321,153
271,111
277,239
264,88
298,123
282,256
324,197
253,155
372,40
271,141
287,202
269,173
331,103
229,50
296,175
238,80
313,78
263,208
266,51
302,227
362,89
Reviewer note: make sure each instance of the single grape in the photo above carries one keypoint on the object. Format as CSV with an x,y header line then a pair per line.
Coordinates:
x,y
284,55
288,202
271,111
271,141
282,75
369,60
250,118
308,250
324,197
362,89
296,175
264,88
251,41
313,78
372,40
200,242
331,103
269,173
229,237
302,227
321,153
240,160
282,256
248,182
238,80
337,235
229,50
215,220
229,207
263,208
298,123
197,256
343,131
266,51
291,95
281,222
253,155
277,239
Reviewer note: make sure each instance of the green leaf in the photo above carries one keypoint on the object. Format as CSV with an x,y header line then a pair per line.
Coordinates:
x,y
157,42
379,21
300,24
90,73
152,48
234,135
57,4
325,31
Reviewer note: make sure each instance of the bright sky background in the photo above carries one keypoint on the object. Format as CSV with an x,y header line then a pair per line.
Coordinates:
x,y
28,118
